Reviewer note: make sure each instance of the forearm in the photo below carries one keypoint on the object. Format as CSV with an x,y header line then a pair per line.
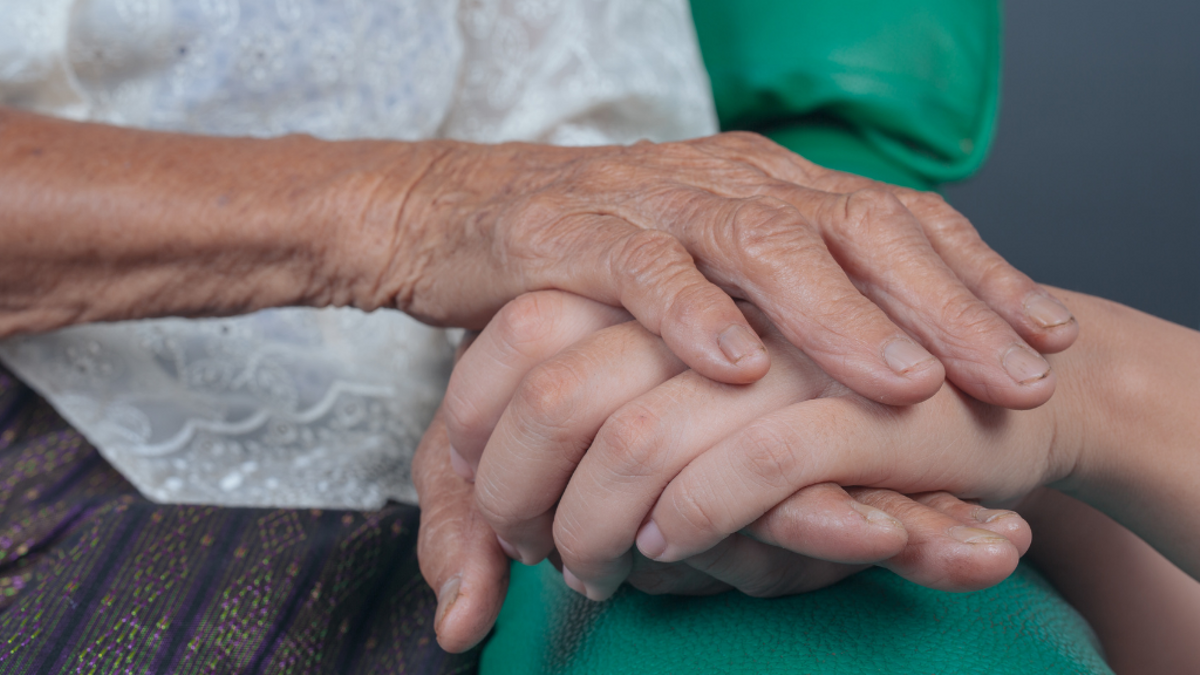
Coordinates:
x,y
1145,610
107,223
1131,410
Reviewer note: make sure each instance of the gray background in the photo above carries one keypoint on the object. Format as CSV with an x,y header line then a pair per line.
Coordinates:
x,y
1094,180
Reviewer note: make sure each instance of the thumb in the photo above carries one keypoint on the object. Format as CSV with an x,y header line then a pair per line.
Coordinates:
x,y
459,555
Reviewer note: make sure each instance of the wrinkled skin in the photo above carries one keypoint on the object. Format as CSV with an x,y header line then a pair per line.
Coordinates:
x,y
105,223
846,268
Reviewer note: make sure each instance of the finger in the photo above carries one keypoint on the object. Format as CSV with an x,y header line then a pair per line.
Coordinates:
x,y
1008,524
1037,316
884,249
622,567
798,524
842,440
769,253
553,417
650,273
825,523
526,332
942,552
763,571
457,551
644,444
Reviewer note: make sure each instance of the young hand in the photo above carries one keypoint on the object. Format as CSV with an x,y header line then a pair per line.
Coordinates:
x,y
580,377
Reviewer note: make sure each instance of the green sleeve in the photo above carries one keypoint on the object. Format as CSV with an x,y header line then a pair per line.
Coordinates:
x,y
901,90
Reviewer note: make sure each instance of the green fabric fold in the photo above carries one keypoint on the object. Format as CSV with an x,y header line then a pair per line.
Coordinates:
x,y
916,81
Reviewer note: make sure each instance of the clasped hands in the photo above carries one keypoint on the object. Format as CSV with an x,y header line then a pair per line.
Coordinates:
x,y
572,430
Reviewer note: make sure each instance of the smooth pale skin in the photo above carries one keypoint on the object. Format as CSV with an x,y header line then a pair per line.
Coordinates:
x,y
1120,435
566,366
104,223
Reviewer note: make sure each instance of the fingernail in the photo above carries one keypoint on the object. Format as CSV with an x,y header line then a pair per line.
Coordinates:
x,y
461,466
876,517
738,342
902,356
1024,366
446,598
974,535
650,541
1047,311
992,515
509,549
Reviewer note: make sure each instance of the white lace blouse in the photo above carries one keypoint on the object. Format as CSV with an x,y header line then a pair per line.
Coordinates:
x,y
302,407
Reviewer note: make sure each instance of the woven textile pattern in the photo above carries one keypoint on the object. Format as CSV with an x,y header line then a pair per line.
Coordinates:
x,y
96,579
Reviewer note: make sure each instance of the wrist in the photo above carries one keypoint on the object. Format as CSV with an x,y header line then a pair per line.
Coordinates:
x,y
1129,422
373,228
103,223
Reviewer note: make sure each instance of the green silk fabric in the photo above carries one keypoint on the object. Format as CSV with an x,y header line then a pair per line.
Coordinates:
x,y
904,91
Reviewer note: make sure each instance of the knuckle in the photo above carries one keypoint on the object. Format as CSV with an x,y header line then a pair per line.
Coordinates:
x,y
769,454
527,228
527,321
993,271
762,226
698,512
499,509
745,139
970,320
630,442
644,254
576,543
923,202
867,212
548,399
942,222
463,418
573,548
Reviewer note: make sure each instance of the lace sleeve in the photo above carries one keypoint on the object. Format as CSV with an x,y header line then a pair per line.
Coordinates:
x,y
283,408
305,407
580,72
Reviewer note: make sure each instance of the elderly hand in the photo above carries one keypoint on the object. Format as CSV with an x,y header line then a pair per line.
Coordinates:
x,y
872,282
848,269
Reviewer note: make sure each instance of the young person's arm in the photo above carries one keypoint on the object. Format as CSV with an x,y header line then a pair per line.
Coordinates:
x,y
1144,609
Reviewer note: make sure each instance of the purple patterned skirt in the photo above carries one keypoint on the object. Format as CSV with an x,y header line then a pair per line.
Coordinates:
x,y
96,579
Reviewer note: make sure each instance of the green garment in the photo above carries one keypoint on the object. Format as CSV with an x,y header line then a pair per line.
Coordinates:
x,y
904,91
874,622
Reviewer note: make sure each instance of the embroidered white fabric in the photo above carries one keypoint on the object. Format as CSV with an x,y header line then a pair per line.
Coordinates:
x,y
301,407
